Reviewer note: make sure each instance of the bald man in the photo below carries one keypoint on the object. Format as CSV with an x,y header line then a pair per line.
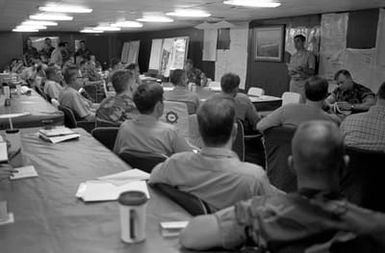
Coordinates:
x,y
292,222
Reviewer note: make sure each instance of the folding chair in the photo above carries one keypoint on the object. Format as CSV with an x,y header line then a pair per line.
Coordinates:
x,y
189,202
106,136
291,98
254,91
145,161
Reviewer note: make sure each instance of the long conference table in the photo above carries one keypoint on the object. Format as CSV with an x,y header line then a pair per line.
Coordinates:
x,y
36,107
264,104
50,219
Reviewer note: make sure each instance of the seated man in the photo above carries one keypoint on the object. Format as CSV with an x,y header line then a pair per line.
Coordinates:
x,y
52,85
367,130
181,92
215,174
195,75
350,96
283,222
147,133
244,109
134,69
120,107
71,97
316,90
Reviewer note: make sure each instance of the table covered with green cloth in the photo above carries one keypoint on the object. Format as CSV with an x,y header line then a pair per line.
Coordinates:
x,y
48,216
38,109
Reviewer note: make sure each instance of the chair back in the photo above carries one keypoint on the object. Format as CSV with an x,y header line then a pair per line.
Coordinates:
x,y
69,117
194,134
277,141
215,86
254,91
362,180
106,136
145,161
239,143
291,98
176,113
189,202
91,91
105,123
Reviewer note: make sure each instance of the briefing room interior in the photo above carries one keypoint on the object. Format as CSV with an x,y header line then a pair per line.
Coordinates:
x,y
192,126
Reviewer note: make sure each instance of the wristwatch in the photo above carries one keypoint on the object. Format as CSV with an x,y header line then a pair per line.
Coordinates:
x,y
352,108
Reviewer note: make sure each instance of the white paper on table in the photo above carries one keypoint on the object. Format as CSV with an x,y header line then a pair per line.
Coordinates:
x,y
24,172
97,190
9,220
126,177
61,138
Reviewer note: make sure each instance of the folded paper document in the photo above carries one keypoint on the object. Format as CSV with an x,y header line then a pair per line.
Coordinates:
x,y
109,187
58,134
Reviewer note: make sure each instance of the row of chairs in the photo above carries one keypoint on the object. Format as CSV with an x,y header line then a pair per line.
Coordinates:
x,y
361,181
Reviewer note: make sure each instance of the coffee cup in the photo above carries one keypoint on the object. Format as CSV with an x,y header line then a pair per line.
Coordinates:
x,y
133,216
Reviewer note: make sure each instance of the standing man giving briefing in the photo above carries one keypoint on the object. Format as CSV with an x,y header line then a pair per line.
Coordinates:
x,y
301,66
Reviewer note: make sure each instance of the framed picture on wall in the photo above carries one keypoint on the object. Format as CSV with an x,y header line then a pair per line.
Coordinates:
x,y
269,43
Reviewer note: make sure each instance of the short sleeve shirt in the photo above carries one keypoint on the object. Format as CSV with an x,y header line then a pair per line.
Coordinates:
x,y
215,175
145,133
71,98
52,89
357,95
302,58
117,109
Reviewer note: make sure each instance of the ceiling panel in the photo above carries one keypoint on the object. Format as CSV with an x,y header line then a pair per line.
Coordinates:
x,y
13,12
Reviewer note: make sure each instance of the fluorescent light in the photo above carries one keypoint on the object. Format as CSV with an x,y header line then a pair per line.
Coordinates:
x,y
90,31
106,28
189,13
132,24
51,16
24,30
155,19
36,27
34,22
65,8
253,3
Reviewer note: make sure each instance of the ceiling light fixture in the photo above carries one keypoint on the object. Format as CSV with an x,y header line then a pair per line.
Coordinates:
x,y
132,24
253,3
35,22
189,13
34,27
155,19
24,30
106,28
53,7
91,30
51,16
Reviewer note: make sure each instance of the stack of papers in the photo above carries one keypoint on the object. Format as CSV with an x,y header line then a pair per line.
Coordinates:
x,y
172,228
108,188
58,134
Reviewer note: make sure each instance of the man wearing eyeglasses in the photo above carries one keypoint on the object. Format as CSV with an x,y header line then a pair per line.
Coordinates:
x,y
71,97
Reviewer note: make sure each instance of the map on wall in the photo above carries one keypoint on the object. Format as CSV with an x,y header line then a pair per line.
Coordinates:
x,y
168,54
333,31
